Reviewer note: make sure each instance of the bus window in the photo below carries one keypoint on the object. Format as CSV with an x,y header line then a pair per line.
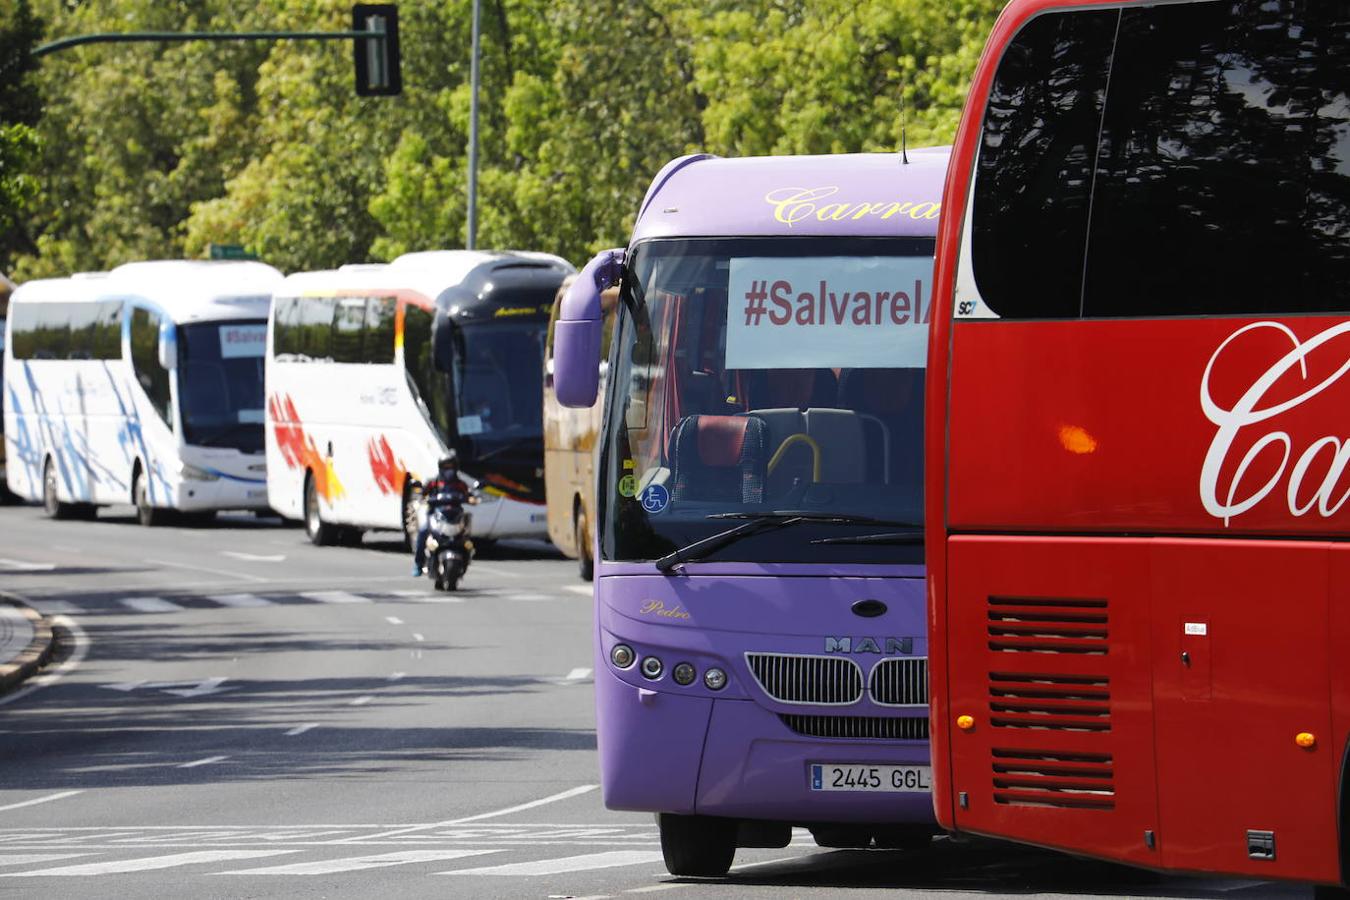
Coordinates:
x,y
378,343
429,384
153,378
349,322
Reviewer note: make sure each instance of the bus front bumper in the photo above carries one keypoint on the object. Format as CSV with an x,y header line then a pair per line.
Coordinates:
x,y
663,752
222,493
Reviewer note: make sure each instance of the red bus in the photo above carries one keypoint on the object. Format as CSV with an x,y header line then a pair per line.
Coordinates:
x,y
1139,377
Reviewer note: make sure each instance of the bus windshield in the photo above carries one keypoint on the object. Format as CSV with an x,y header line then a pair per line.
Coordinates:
x,y
498,380
220,384
755,376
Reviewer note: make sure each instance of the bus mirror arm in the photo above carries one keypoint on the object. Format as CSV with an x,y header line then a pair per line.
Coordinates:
x,y
168,346
576,353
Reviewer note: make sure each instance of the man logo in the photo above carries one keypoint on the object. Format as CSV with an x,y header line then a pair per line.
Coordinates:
x,y
869,645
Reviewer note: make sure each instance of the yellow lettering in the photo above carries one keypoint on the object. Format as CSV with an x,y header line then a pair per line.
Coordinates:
x,y
840,212
915,214
896,209
792,205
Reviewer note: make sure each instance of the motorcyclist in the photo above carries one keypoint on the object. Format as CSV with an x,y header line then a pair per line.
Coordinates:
x,y
446,490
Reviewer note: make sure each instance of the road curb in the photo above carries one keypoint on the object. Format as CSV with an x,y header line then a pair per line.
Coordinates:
x,y
38,651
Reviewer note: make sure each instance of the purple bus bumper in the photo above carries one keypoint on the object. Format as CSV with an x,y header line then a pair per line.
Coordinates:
x,y
687,749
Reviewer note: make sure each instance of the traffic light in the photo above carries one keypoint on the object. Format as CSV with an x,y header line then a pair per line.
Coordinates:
x,y
378,67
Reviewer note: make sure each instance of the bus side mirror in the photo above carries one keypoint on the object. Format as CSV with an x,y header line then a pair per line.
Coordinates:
x,y
580,327
168,346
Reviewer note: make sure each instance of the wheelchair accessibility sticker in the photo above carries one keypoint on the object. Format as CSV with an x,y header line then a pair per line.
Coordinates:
x,y
654,498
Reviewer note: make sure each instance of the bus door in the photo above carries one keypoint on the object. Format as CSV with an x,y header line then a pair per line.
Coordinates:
x,y
1237,680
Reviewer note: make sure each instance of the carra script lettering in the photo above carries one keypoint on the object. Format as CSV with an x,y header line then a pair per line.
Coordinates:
x,y
1303,492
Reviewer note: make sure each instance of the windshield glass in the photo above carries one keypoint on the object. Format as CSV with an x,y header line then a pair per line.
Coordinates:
x,y
757,375
498,382
220,383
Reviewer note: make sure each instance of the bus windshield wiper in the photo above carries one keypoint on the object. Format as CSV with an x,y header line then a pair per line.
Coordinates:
x,y
757,522
914,536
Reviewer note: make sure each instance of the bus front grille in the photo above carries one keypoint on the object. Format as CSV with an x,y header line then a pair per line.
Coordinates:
x,y
900,682
882,728
815,680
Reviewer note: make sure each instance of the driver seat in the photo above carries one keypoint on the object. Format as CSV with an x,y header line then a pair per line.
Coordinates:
x,y
719,458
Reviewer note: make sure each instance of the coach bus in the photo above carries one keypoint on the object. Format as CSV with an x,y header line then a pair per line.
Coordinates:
x,y
1137,494
569,449
759,595
374,371
141,385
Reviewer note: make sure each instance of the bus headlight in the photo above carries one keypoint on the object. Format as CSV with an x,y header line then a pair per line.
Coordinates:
x,y
622,656
652,667
715,679
683,673
192,473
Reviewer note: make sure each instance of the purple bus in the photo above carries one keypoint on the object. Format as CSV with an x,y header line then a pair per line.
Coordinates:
x,y
761,644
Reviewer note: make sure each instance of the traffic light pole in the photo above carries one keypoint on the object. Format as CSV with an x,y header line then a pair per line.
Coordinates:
x,y
161,37
472,241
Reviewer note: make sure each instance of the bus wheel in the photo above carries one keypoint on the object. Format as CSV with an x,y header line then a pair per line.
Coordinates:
x,y
699,846
1330,892
51,499
146,514
585,564
320,533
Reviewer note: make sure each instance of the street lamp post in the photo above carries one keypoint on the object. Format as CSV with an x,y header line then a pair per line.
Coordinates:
x,y
472,241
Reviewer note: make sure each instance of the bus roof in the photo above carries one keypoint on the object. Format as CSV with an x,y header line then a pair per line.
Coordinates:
x,y
431,273
185,290
855,194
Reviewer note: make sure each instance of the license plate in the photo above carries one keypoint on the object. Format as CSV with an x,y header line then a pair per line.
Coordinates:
x,y
880,779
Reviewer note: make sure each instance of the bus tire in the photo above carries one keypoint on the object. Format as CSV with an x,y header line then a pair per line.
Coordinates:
x,y
146,514
697,846
51,496
319,532
348,536
585,563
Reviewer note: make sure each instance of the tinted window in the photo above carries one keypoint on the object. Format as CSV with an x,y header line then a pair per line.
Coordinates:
x,y
1224,176
430,387
378,344
220,385
152,377
285,335
1033,179
68,330
349,321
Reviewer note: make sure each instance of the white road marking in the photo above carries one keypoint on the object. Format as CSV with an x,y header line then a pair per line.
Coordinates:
x,y
355,863
77,656
409,595
584,590
608,860
395,676
652,888
577,675
202,762
238,576
254,557
552,798
301,729
240,600
28,859
124,686
150,604
393,620
199,688
47,799
55,607
148,863
531,598
362,700
335,597
431,598
418,637
19,565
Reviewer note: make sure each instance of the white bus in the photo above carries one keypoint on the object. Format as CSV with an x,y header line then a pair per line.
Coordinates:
x,y
373,371
141,385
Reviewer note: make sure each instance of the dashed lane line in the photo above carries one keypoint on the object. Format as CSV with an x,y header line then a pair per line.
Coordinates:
x,y
240,601
238,576
150,604
147,863
417,636
362,700
208,761
520,807
19,565
335,597
393,620
356,863
609,859
30,859
584,590
35,801
396,676
301,729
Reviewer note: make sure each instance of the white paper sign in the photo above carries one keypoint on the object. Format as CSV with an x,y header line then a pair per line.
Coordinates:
x,y
242,340
855,312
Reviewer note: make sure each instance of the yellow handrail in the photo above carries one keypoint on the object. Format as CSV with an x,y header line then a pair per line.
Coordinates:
x,y
798,438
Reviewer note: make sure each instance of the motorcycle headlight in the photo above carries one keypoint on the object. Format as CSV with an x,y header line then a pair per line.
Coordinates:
x,y
192,473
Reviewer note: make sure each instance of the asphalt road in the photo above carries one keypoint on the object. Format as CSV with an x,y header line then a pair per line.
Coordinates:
x,y
238,714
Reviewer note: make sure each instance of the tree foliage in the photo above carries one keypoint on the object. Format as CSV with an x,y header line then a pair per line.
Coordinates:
x,y
159,150
20,110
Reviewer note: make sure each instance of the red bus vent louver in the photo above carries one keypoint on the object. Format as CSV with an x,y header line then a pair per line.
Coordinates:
x,y
1053,778
1058,702
1047,625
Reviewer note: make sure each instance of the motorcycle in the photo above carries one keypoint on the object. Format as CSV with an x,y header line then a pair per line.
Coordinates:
x,y
448,548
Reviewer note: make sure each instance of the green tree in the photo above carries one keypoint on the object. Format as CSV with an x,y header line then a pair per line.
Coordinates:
x,y
20,111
